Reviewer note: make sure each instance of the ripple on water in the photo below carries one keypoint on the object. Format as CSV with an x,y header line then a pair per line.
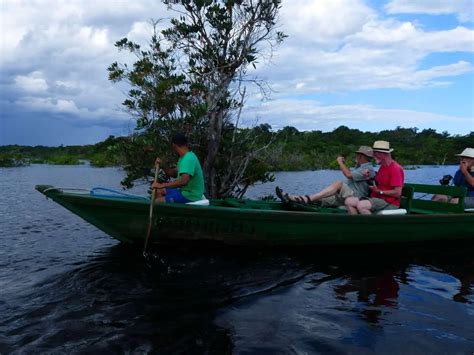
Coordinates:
x,y
66,287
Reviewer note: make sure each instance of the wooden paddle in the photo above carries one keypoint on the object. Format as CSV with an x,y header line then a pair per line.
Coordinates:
x,y
152,203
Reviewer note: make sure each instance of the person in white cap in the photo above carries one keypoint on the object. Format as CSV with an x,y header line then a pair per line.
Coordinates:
x,y
386,192
464,177
335,194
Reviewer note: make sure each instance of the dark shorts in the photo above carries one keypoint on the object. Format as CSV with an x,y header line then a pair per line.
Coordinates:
x,y
175,196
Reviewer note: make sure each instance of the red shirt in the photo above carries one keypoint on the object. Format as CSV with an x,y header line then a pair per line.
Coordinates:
x,y
387,178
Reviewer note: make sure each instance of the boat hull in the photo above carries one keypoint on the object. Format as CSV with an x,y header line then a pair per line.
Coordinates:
x,y
127,220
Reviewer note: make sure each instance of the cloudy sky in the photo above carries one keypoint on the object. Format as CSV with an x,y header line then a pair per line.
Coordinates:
x,y
366,64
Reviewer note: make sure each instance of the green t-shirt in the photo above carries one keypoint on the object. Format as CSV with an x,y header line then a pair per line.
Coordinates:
x,y
189,164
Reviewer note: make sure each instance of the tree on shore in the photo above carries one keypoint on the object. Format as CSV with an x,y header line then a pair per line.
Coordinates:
x,y
291,150
192,78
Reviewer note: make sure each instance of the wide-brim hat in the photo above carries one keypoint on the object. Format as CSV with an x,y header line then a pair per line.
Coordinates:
x,y
467,153
382,146
367,151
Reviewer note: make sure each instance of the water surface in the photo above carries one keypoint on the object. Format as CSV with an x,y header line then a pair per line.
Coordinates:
x,y
66,287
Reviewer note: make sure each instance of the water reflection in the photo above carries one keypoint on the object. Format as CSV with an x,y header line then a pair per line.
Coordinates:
x,y
466,288
67,287
376,293
201,300
371,281
353,302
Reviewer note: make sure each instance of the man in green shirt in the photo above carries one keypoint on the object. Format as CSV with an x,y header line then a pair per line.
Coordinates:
x,y
189,185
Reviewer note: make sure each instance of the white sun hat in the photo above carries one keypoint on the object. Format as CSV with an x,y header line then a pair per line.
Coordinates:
x,y
382,146
467,153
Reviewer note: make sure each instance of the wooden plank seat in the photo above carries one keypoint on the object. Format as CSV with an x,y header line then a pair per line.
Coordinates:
x,y
203,202
426,206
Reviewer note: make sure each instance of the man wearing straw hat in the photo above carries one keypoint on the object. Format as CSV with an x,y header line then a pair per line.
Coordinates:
x,y
335,194
464,177
386,192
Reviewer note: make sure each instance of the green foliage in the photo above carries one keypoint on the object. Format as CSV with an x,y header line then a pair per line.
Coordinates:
x,y
294,150
139,152
100,160
7,161
279,151
107,153
100,154
64,160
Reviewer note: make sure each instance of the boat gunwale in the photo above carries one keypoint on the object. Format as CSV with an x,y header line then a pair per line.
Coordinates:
x,y
305,215
235,225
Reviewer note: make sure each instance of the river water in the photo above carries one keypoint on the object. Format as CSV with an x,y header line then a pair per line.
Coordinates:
x,y
66,287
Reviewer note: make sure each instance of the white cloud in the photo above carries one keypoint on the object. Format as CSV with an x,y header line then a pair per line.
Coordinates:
x,y
67,87
140,32
32,83
323,21
38,104
462,8
459,39
312,115
69,108
383,53
66,106
333,45
54,55
407,36
441,71
61,29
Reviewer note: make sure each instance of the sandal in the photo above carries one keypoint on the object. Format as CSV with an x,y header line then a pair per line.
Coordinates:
x,y
303,199
284,197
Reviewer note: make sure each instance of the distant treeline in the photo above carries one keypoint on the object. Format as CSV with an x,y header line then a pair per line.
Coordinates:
x,y
288,149
294,150
101,154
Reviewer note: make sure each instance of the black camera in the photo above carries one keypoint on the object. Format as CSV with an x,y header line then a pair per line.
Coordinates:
x,y
445,180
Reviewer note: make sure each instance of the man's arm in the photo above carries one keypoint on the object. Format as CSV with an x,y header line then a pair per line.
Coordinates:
x,y
171,172
345,170
467,174
182,181
395,192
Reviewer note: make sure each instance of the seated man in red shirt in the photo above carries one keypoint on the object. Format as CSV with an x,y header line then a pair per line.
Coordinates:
x,y
389,180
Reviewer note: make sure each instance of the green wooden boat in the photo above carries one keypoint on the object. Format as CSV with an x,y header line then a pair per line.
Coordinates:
x,y
261,223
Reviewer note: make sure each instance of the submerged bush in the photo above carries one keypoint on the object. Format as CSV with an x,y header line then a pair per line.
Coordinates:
x,y
64,160
10,161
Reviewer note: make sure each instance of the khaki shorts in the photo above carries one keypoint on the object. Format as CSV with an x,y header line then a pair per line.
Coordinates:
x,y
469,202
378,205
338,199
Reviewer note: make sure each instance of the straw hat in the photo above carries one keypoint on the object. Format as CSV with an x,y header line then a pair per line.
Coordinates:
x,y
367,151
382,146
467,153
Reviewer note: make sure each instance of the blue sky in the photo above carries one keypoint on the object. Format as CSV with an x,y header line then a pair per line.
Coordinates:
x,y
370,65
